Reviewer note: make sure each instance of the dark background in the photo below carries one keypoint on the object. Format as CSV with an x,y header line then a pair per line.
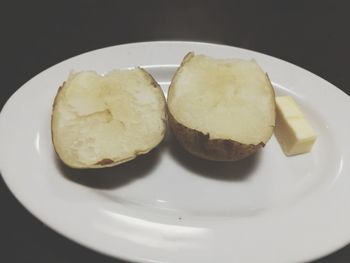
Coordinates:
x,y
38,34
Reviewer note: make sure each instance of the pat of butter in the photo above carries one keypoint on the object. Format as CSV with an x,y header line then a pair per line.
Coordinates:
x,y
293,132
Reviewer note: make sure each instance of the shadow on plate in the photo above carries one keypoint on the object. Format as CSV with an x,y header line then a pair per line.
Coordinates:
x,y
225,171
113,177
123,174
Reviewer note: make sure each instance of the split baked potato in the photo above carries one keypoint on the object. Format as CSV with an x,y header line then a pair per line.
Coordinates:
x,y
101,121
221,109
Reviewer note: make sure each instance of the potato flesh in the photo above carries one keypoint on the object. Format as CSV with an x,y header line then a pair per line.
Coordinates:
x,y
112,117
227,99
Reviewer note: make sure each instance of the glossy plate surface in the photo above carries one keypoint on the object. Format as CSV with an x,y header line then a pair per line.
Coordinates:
x,y
168,206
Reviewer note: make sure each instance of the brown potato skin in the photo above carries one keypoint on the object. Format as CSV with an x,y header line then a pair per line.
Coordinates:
x,y
200,144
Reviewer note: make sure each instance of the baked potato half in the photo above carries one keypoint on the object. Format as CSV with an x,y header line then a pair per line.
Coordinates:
x,y
221,109
101,121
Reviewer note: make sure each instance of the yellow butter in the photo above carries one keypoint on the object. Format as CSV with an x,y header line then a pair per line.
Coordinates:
x,y
293,131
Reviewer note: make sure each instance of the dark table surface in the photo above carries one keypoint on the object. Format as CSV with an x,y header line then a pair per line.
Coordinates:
x,y
38,34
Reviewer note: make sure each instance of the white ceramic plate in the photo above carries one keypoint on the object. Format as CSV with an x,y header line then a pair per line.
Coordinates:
x,y
171,207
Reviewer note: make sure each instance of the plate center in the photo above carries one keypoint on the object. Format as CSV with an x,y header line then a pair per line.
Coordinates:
x,y
174,181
